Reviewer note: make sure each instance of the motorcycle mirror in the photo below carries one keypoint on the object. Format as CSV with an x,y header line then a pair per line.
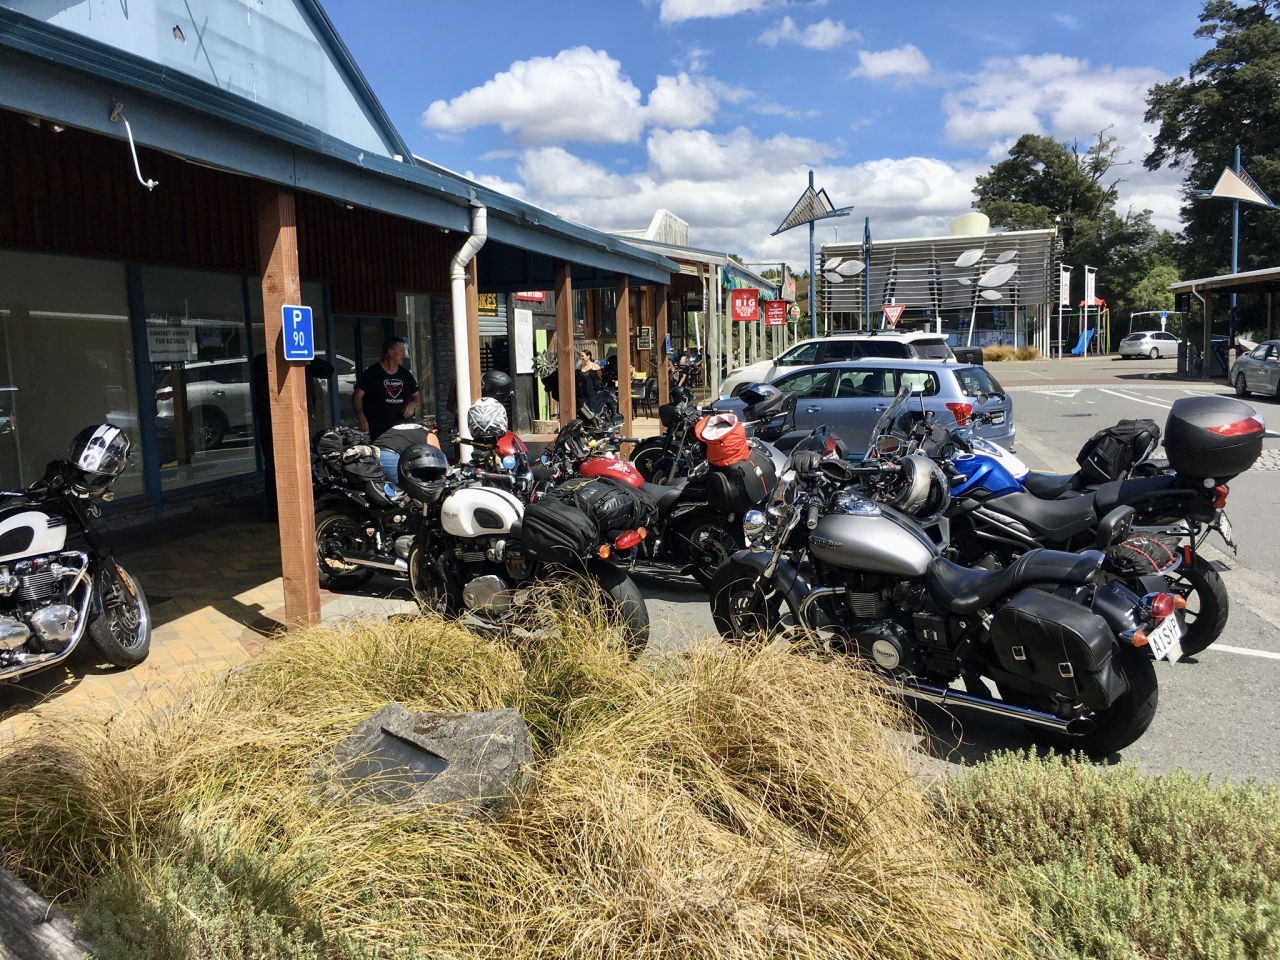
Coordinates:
x,y
1115,527
888,445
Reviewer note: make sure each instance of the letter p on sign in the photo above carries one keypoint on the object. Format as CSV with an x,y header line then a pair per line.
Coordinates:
x,y
299,337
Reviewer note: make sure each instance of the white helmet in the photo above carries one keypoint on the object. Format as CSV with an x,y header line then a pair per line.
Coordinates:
x,y
487,419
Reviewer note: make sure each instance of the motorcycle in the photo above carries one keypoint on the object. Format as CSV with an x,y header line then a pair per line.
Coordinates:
x,y
469,555
58,580
842,546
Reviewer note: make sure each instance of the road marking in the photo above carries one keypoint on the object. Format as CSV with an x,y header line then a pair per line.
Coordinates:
x,y
1126,396
1060,393
1246,651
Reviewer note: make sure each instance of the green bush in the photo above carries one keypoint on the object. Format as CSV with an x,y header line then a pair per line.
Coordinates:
x,y
1115,864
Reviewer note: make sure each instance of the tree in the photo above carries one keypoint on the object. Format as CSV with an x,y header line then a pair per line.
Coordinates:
x,y
1230,97
1043,183
1152,291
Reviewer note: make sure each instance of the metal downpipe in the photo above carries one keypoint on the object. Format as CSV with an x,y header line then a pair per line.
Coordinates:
x,y
458,296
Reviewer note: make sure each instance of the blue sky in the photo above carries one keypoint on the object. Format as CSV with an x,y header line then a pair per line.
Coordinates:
x,y
715,109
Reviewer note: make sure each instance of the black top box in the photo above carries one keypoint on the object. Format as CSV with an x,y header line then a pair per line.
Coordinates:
x,y
1213,437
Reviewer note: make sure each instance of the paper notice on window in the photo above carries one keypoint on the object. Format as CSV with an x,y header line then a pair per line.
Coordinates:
x,y
524,341
171,344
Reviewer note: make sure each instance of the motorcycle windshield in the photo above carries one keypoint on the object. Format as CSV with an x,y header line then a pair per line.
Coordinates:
x,y
884,426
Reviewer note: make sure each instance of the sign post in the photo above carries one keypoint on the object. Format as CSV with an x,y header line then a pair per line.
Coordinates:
x,y
299,334
1064,297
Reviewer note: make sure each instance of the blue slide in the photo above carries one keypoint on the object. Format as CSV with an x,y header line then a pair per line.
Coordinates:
x,y
1083,345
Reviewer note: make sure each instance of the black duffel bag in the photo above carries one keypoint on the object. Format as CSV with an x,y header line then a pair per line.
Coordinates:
x,y
613,506
1111,453
558,531
737,488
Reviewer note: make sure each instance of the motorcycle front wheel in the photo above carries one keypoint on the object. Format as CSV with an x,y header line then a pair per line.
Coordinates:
x,y
434,590
738,609
122,633
646,456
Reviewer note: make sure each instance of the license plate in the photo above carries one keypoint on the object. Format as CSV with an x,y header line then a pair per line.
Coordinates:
x,y
1165,640
1224,528
997,417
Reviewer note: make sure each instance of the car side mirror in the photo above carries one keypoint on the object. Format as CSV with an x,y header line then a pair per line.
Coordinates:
x,y
1115,527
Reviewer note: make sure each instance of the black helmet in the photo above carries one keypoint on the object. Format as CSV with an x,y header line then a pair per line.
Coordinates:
x,y
99,454
496,384
422,468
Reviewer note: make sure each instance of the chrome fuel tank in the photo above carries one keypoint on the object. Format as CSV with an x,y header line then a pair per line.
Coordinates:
x,y
881,544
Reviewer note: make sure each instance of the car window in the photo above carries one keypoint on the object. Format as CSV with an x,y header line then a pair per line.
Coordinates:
x,y
891,349
809,384
931,349
1260,351
920,381
1272,352
1166,336
804,353
842,350
864,383
976,380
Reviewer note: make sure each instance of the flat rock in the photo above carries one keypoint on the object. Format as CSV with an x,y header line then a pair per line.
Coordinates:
x,y
469,760
32,929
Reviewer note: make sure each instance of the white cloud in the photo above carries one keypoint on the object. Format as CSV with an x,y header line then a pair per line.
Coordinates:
x,y
906,61
824,35
579,94
1068,21
1068,99
677,11
734,188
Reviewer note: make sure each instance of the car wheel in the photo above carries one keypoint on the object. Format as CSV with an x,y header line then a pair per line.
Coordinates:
x,y
1154,354
207,428
1242,387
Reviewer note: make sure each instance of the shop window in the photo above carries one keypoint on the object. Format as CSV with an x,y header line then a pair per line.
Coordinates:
x,y
415,320
198,347
66,362
607,311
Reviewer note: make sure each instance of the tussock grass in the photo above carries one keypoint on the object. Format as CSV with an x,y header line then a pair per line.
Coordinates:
x,y
716,804
998,354
1116,864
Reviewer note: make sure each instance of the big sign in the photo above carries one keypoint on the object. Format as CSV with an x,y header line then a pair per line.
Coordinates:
x,y
775,313
744,304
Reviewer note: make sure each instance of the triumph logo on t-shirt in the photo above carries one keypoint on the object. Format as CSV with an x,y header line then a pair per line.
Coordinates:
x,y
393,388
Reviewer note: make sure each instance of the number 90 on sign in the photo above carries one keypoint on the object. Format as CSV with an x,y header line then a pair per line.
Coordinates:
x,y
299,336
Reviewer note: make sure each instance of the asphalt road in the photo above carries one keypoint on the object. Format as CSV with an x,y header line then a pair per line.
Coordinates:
x,y
1219,714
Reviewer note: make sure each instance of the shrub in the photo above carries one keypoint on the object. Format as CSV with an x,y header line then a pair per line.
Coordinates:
x,y
1116,864
1027,353
716,804
996,354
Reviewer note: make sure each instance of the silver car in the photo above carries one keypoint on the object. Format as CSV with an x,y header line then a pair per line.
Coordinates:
x,y
1152,344
1258,371
849,397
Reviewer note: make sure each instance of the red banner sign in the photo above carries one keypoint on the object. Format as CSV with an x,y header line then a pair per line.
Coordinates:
x,y
775,313
538,295
744,304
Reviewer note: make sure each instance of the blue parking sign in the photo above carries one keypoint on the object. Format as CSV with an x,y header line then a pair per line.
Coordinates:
x,y
299,337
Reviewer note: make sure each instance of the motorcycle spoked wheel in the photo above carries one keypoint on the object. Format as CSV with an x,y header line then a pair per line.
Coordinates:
x,y
435,591
709,543
739,611
339,527
1115,728
122,632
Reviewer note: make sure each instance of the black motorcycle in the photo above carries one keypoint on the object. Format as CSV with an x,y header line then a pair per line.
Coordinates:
x,y
58,580
832,557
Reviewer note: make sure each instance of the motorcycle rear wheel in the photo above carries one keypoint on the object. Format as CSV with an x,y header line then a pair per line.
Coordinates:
x,y
338,524
1207,604
711,543
627,602
738,610
122,633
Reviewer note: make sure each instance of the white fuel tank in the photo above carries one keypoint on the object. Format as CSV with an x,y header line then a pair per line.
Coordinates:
x,y
479,512
31,533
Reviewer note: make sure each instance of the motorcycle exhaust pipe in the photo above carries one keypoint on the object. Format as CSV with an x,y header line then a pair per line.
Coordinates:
x,y
945,696
396,566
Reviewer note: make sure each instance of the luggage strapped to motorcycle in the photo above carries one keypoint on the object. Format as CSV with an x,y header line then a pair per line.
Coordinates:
x,y
1111,453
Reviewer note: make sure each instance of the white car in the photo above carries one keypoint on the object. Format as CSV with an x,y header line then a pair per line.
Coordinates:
x,y
1153,344
890,344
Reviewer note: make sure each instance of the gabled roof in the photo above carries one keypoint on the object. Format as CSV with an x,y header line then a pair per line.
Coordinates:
x,y
177,112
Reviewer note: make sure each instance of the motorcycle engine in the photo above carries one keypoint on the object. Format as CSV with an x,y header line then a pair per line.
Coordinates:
x,y
41,615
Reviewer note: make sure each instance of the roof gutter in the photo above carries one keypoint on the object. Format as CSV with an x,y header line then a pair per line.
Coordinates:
x,y
461,340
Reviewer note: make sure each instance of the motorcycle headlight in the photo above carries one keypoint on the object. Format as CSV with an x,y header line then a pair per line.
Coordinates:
x,y
753,524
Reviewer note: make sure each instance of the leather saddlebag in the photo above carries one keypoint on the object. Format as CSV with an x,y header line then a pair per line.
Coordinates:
x,y
556,531
613,507
737,488
1060,645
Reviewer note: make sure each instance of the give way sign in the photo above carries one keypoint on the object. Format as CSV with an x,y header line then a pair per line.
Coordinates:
x,y
892,311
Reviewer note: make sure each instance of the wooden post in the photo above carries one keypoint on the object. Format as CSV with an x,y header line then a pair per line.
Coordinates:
x,y
281,284
623,289
564,341
473,326
660,332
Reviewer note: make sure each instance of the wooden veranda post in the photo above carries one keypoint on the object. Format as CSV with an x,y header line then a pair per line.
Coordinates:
x,y
564,341
473,326
664,381
281,284
622,289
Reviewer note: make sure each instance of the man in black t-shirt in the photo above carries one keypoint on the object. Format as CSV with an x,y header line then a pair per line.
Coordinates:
x,y
386,394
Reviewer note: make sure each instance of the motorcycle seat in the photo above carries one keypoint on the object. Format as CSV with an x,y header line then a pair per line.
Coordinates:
x,y
1050,486
1056,521
666,496
1136,492
964,589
